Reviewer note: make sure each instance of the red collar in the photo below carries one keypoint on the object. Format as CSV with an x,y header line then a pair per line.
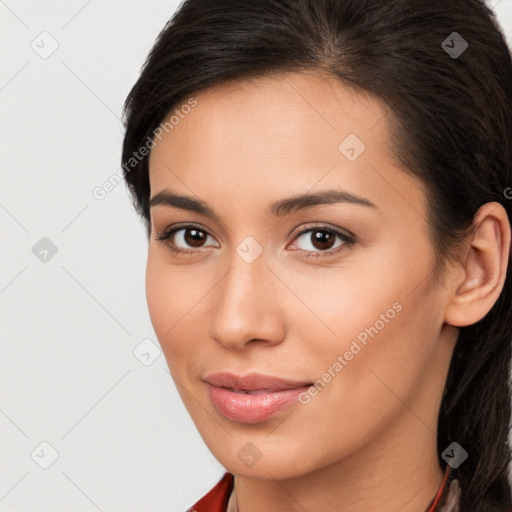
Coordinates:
x,y
216,500
434,503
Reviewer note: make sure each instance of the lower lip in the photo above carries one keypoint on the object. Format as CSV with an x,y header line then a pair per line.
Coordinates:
x,y
253,408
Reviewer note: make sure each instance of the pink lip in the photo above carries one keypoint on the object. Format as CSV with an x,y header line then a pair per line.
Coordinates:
x,y
252,381
274,394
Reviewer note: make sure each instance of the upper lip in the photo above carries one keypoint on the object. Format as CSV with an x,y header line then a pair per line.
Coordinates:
x,y
252,381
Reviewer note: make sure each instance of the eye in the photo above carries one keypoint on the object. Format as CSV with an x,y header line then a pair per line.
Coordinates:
x,y
323,239
184,238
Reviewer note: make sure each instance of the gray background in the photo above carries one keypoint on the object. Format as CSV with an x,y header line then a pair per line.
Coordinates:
x,y
80,367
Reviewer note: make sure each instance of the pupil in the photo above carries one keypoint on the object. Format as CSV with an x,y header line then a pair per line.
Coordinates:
x,y
194,237
322,238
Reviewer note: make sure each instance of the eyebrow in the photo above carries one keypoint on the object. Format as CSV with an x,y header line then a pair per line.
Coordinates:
x,y
278,209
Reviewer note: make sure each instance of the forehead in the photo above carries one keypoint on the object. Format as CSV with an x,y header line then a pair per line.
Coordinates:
x,y
280,135
274,111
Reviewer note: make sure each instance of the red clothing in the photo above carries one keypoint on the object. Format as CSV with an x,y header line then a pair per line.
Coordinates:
x,y
216,500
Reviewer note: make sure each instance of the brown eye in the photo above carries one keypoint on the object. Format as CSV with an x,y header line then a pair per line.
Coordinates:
x,y
319,240
322,239
194,237
185,238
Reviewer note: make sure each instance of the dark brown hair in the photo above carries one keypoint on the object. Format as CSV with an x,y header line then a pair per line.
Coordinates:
x,y
450,117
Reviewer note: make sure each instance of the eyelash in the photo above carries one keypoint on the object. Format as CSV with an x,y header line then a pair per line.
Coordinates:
x,y
348,241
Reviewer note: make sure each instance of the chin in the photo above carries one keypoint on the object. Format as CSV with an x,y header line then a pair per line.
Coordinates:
x,y
254,457
269,470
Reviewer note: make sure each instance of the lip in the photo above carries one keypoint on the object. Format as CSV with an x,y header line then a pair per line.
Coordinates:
x,y
270,395
252,381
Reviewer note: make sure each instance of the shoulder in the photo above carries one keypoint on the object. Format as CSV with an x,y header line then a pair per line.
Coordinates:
x,y
217,498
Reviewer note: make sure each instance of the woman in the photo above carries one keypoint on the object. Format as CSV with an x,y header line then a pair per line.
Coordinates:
x,y
326,190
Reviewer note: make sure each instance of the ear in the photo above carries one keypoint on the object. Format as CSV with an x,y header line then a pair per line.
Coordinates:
x,y
480,274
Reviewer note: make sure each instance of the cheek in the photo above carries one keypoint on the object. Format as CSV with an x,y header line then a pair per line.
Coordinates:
x,y
338,304
165,300
156,297
380,316
385,353
176,297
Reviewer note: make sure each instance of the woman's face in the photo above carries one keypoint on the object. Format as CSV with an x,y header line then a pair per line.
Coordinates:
x,y
341,292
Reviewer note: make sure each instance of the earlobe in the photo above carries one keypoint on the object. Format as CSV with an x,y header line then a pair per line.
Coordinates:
x,y
483,267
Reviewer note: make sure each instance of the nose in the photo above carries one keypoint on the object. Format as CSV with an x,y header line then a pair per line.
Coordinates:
x,y
247,306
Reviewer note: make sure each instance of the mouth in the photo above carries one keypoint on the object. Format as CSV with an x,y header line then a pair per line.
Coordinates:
x,y
253,398
252,382
252,391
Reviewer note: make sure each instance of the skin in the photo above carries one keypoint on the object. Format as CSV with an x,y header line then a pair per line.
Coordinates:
x,y
367,441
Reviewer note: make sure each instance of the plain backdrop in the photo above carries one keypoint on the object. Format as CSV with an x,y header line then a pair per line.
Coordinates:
x,y
89,416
